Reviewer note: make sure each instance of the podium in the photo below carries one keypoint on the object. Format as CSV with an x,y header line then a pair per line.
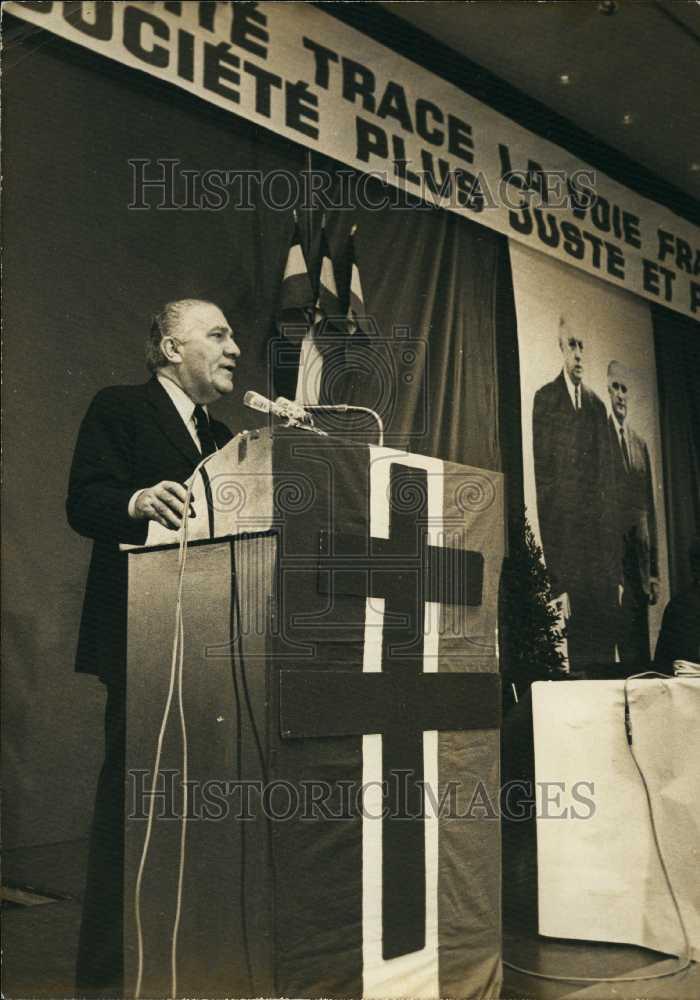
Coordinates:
x,y
326,791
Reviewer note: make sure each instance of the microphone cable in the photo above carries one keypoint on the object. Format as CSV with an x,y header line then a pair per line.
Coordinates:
x,y
260,752
176,677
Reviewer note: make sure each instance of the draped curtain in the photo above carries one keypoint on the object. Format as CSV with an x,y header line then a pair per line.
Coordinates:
x,y
677,346
432,284
83,271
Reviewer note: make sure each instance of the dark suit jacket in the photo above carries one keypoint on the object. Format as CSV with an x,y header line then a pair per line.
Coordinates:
x,y
573,480
636,510
679,638
131,437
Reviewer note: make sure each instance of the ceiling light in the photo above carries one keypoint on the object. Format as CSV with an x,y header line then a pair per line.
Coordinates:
x,y
695,167
628,118
564,79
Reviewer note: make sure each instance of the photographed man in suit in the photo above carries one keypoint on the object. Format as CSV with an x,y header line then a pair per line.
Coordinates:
x,y
136,447
636,517
572,478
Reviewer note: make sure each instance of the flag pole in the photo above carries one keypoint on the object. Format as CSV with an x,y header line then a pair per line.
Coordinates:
x,y
310,208
308,359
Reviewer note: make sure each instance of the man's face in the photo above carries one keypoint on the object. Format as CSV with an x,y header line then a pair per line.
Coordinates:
x,y
618,388
207,352
572,350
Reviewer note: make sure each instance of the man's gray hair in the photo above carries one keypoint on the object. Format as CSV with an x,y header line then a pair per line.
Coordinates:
x,y
165,324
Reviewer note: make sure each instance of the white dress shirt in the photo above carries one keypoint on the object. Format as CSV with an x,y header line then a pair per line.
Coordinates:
x,y
572,389
619,431
184,406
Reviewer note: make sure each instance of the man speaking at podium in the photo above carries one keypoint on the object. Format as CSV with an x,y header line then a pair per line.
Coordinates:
x,y
136,447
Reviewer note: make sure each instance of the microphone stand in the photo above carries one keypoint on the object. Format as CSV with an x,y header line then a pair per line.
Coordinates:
x,y
301,426
349,408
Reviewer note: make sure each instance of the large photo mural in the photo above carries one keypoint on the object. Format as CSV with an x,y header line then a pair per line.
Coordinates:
x,y
592,457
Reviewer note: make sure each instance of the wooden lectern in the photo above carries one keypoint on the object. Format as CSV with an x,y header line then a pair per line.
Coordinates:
x,y
340,713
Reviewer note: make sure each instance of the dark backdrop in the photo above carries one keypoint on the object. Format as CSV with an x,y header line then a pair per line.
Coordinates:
x,y
677,347
82,274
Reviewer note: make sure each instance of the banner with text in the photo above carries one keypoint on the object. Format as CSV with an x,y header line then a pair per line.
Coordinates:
x,y
298,71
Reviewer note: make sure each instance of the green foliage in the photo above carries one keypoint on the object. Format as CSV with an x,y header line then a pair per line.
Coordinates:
x,y
529,625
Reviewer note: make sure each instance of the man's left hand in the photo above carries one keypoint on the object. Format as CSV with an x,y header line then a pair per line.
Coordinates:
x,y
653,592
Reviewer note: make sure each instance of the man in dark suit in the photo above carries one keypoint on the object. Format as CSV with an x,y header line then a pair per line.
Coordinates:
x,y
136,447
572,477
636,515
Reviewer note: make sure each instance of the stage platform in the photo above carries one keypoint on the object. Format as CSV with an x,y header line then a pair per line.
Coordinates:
x,y
523,946
39,942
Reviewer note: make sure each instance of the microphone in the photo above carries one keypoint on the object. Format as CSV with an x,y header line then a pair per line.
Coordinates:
x,y
254,401
285,409
294,411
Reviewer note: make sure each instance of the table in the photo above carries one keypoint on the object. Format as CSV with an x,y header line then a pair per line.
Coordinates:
x,y
599,874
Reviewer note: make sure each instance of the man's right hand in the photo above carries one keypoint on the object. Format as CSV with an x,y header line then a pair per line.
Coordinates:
x,y
164,503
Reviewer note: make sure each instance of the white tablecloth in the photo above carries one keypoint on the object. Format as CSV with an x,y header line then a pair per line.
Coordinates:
x,y
600,878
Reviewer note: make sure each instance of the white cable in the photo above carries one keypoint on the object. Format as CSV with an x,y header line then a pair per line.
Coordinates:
x,y
151,808
185,762
176,670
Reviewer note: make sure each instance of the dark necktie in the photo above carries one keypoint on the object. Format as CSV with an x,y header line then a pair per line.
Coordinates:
x,y
625,453
204,432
